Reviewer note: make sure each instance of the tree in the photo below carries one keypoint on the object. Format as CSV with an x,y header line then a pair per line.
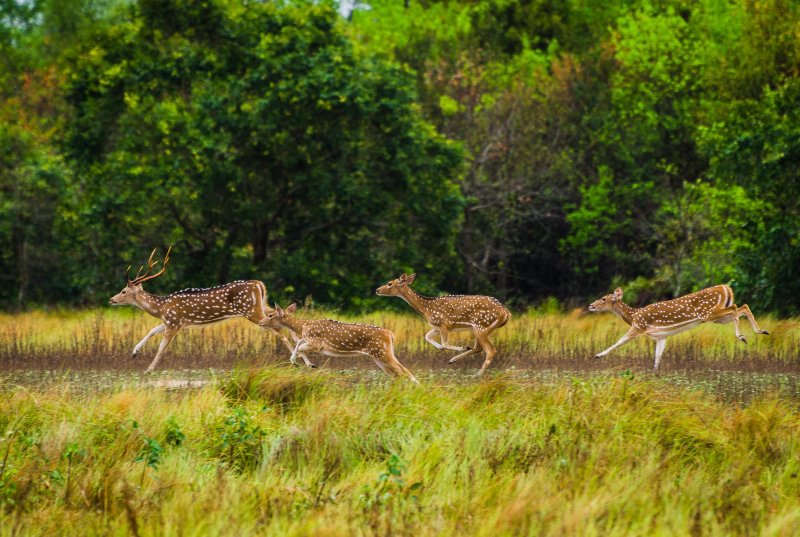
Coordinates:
x,y
262,144
757,148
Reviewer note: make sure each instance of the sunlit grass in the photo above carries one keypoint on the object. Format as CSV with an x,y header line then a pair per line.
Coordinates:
x,y
282,451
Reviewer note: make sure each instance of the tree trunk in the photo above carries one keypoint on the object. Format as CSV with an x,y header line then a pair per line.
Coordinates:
x,y
260,242
23,268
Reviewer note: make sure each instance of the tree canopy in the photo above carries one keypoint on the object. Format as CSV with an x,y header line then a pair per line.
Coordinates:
x,y
526,149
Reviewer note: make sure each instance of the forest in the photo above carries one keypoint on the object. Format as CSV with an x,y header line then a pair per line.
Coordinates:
x,y
534,150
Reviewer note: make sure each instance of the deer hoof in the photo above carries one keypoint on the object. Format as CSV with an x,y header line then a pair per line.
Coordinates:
x,y
763,332
743,339
312,366
597,356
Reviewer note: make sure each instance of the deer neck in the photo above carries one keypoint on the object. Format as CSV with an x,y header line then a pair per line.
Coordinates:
x,y
415,300
293,324
152,304
623,311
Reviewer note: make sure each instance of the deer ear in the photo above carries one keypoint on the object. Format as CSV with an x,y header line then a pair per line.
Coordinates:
x,y
278,310
410,279
291,309
618,293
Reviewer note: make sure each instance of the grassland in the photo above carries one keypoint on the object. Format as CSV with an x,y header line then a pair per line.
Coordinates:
x,y
278,451
552,442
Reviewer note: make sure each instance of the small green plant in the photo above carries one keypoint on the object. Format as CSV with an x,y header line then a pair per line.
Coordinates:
x,y
239,440
627,375
174,434
390,486
150,454
72,452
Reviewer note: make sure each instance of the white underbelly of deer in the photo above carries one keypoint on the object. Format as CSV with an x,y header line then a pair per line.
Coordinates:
x,y
677,328
203,324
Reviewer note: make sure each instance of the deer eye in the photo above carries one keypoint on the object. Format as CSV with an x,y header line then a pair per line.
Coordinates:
x,y
389,284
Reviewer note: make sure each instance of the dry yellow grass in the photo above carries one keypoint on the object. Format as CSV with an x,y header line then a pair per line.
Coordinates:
x,y
104,338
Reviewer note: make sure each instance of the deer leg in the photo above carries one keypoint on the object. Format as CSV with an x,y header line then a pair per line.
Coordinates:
x,y
736,324
289,346
445,336
390,361
169,333
300,343
157,330
476,348
430,335
727,315
301,354
483,341
660,344
280,337
745,310
632,333
380,364
306,360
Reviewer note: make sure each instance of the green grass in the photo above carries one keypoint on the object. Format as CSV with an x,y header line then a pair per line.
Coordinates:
x,y
282,451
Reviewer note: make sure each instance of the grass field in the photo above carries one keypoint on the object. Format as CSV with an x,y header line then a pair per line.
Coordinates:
x,y
551,442
277,451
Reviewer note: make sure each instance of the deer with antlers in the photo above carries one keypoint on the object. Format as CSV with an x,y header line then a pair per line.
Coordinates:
x,y
193,307
663,319
453,313
338,339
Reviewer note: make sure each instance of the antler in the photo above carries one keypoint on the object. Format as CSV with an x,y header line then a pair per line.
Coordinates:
x,y
150,264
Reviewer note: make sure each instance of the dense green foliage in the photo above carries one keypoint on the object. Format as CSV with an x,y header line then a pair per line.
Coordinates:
x,y
524,148
290,452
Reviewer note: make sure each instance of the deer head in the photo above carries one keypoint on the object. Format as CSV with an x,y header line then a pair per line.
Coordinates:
x,y
274,318
394,287
134,286
607,302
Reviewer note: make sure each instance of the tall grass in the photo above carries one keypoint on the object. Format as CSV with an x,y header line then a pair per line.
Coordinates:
x,y
278,451
104,338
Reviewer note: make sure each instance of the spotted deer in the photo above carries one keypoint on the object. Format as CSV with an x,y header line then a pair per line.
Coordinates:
x,y
453,313
192,307
663,319
338,339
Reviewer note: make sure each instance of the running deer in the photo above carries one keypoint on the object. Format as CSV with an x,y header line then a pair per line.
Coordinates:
x,y
453,313
192,307
663,319
338,339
